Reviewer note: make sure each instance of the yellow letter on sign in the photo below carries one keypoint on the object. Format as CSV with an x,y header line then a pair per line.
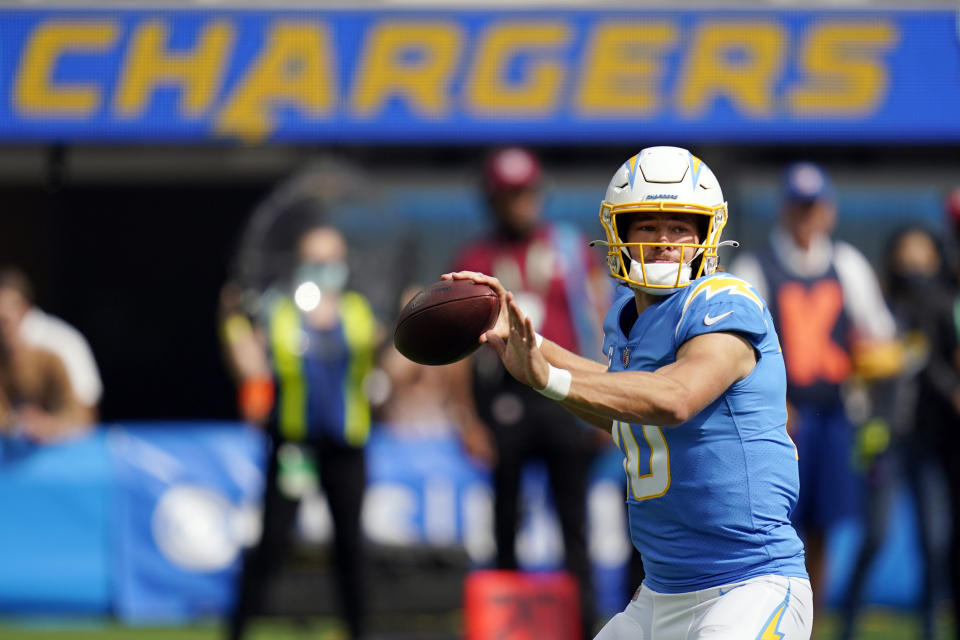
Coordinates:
x,y
845,75
34,92
622,69
739,60
293,69
488,90
150,65
411,60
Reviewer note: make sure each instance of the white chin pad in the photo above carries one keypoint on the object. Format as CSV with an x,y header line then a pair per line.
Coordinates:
x,y
660,273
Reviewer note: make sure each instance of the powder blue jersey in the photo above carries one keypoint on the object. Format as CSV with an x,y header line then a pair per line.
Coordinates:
x,y
710,499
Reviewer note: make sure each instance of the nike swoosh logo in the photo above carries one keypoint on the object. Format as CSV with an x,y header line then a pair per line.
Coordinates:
x,y
707,320
721,591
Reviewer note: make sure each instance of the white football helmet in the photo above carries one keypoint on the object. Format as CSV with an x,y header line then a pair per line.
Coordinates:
x,y
662,179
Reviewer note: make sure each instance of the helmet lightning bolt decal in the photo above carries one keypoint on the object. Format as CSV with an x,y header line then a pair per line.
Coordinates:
x,y
695,165
632,165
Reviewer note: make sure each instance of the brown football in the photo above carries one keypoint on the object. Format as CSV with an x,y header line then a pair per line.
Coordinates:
x,y
444,322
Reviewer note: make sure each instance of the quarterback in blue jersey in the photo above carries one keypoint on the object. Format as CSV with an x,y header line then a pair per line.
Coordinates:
x,y
693,393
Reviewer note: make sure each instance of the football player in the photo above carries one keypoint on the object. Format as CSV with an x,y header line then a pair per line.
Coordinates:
x,y
694,395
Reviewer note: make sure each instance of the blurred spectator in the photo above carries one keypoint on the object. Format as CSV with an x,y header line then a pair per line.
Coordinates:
x,y
912,412
37,399
952,206
943,392
559,284
317,340
829,311
45,331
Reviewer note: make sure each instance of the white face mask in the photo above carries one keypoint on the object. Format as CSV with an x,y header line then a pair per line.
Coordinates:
x,y
328,276
659,273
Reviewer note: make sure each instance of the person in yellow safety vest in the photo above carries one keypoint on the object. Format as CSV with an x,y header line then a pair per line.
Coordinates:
x,y
301,371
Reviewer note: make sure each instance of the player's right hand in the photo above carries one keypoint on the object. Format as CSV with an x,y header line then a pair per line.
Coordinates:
x,y
502,326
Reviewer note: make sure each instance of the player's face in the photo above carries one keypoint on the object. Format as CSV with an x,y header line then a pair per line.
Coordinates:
x,y
517,211
322,245
807,221
666,227
916,254
323,253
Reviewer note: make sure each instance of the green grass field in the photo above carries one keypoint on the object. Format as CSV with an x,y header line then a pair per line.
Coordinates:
x,y
878,624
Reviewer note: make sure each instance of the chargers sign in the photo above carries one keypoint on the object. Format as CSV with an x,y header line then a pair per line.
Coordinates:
x,y
462,76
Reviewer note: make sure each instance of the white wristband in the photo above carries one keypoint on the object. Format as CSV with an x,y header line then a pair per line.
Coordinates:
x,y
538,338
558,384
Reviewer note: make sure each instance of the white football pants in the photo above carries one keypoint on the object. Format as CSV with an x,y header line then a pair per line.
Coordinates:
x,y
762,608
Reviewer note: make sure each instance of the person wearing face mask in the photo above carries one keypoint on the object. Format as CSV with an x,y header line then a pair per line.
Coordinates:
x,y
315,341
829,311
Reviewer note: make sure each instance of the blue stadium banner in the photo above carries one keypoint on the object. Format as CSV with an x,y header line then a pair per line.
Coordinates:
x,y
148,520
456,76
187,503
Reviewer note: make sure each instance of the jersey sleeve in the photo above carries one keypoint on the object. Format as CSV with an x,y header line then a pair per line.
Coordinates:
x,y
611,322
723,303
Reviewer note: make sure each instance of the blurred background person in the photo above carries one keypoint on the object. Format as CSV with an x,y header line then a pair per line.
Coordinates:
x,y
317,339
37,400
48,332
912,414
952,257
827,304
559,284
943,394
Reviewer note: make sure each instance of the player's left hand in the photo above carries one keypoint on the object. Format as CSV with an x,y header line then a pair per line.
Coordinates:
x,y
519,353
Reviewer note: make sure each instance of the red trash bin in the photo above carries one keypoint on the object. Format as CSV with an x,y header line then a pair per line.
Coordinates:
x,y
515,605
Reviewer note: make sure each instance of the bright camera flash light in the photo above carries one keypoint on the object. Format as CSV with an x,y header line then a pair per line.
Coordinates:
x,y
307,296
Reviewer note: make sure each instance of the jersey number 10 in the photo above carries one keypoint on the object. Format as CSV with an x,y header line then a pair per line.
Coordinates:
x,y
649,485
